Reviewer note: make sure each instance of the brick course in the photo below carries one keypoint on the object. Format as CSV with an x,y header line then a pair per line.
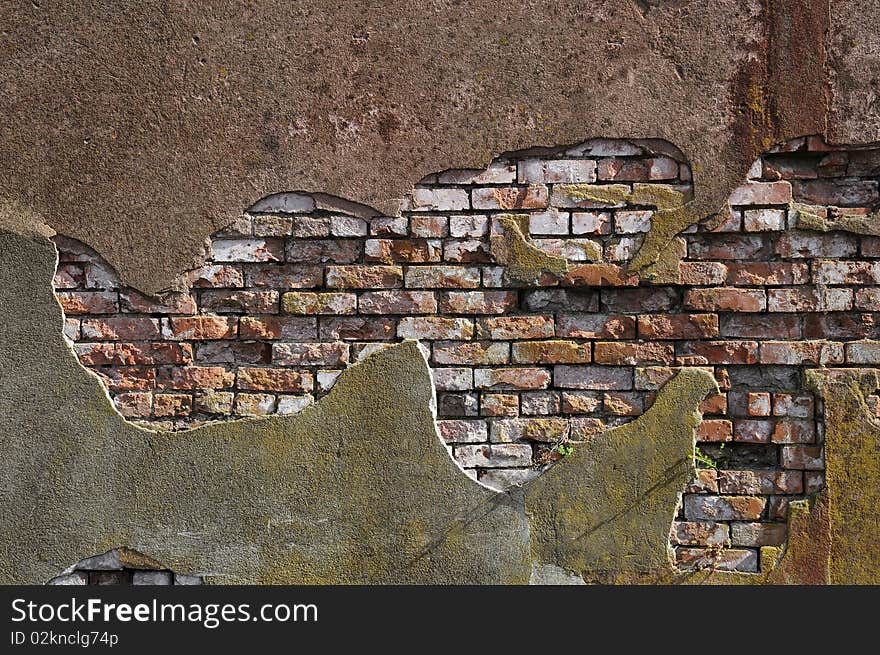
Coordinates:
x,y
286,302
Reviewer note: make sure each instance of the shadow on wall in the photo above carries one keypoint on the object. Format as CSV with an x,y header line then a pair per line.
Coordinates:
x,y
121,566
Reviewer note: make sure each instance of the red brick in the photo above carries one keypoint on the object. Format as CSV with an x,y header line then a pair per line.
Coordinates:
x,y
194,377
167,405
233,352
596,326
134,405
793,405
471,352
410,251
461,431
752,430
499,404
758,404
305,302
435,327
623,403
478,302
868,299
695,533
809,245
120,328
256,302
530,197
451,379
68,276
715,403
133,378
809,299
841,325
726,559
515,327
705,481
796,353
272,226
331,251
247,250
357,328
364,277
726,299
278,327
714,430
599,275
678,326
215,276
601,378
274,379
511,378
77,303
837,192
171,303
803,457
429,226
310,354
467,251
702,273
439,277
760,482
397,302
629,354
761,326
763,220
757,534
254,404
727,246
755,274
199,328
287,276
846,272
723,508
695,353
794,431
547,430
551,352
761,193
580,402
494,456
154,353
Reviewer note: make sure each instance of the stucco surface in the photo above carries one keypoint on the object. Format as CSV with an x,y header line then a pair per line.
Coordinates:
x,y
141,128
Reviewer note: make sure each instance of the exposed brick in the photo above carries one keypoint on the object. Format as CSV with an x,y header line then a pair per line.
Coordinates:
x,y
437,199
837,192
705,481
526,197
515,327
761,193
498,172
118,328
231,352
601,378
757,534
551,352
703,273
356,328
631,222
397,302
695,533
251,302
76,303
794,431
809,299
623,403
809,245
278,327
639,301
715,430
285,276
272,226
802,457
727,246
529,429
499,404
215,276
462,431
171,303
752,430
466,251
543,171
293,404
439,277
494,456
868,299
254,404
310,354
652,378
760,326
199,328
761,482
468,227
580,402
274,379
478,302
727,559
678,326
599,275
134,405
619,353
171,404
763,220
247,250
793,405
726,299
796,353
310,227
846,272
68,276
471,352
548,222
715,403
754,274
194,377
453,379
382,225
511,378
591,223
131,378
304,302
574,250
364,277
561,300
758,404
348,226
330,251
723,508
691,353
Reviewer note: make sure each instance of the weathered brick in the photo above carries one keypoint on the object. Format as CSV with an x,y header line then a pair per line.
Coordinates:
x,y
760,482
468,227
548,222
809,299
466,251
223,302
837,192
761,193
199,328
69,276
515,327
757,534
498,172
329,251
435,327
528,429
429,227
809,245
678,326
752,430
808,458
591,223
438,277
499,404
552,171
453,379
558,300
100,276
596,326
631,222
580,402
846,272
118,328
502,479
551,352
364,277
310,354
214,402
540,403
171,404
574,250
326,379
278,327
639,301
458,404
794,431
622,249
437,199
462,431
623,403
397,302
599,275
171,303
727,246
511,378
705,481
723,508
478,302
690,353
311,227
215,276
247,250
868,299
471,352
272,226
148,354
77,303
130,378
194,377
254,404
134,405
293,404
382,225
651,378
796,353
763,220
793,405
494,456
715,403
285,276
619,353
274,379
695,533
726,299
357,328
702,273
525,197
409,251
755,274
760,326
714,430
304,302
726,559
602,378
758,404
348,226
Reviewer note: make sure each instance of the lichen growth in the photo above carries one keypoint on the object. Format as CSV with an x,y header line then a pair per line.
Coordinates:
x,y
806,218
524,263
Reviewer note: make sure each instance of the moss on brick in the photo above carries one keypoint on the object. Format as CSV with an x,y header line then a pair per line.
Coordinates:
x,y
524,263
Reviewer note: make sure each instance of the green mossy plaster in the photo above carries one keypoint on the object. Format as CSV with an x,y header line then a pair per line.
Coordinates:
x,y
524,263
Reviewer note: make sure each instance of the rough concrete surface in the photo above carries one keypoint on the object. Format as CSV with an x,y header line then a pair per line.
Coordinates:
x,y
162,121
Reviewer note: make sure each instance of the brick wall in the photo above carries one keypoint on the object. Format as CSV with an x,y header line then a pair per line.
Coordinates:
x,y
297,290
